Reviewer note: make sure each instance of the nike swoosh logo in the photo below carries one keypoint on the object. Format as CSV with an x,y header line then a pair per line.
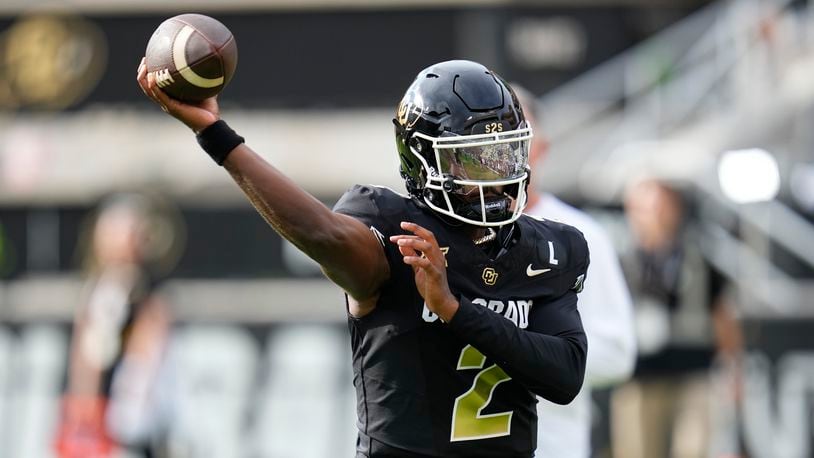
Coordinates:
x,y
534,272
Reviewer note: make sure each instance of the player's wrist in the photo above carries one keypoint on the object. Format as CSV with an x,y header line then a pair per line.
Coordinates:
x,y
448,308
218,140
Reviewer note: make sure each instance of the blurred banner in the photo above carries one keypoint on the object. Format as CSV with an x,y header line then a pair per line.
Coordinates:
x,y
52,240
58,61
778,383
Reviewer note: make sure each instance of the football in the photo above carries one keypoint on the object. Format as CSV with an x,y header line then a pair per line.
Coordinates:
x,y
192,56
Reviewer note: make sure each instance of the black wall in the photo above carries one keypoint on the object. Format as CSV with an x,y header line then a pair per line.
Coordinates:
x,y
358,58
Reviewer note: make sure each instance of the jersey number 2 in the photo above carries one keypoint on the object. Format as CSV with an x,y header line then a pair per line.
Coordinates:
x,y
468,423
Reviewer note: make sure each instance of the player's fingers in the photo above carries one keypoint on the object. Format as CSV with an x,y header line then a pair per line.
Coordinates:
x,y
396,238
416,244
401,238
166,100
143,88
429,248
422,232
159,96
425,265
407,251
419,262
149,86
141,78
154,96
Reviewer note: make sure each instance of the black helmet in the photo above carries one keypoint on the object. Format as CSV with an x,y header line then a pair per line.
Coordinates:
x,y
463,143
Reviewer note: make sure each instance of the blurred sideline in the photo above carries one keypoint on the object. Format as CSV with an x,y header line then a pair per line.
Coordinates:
x,y
207,301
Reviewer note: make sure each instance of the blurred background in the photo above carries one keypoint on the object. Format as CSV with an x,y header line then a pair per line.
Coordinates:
x,y
146,310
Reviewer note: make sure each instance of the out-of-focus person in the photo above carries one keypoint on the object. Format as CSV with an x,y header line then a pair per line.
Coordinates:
x,y
683,321
121,329
607,313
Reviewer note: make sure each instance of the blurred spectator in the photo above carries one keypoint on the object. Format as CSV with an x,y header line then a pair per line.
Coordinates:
x,y
605,306
683,320
120,334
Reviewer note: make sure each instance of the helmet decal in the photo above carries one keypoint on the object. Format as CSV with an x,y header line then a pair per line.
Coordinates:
x,y
409,112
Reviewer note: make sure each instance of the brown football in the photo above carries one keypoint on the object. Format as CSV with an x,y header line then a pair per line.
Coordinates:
x,y
192,56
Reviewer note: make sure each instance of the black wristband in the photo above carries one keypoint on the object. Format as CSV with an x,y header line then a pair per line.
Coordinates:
x,y
218,140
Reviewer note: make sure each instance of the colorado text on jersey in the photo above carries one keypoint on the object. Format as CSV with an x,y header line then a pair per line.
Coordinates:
x,y
516,311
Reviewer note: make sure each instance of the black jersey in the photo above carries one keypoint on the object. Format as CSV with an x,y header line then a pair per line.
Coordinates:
x,y
467,387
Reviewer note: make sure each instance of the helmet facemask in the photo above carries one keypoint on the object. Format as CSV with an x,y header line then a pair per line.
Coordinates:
x,y
477,179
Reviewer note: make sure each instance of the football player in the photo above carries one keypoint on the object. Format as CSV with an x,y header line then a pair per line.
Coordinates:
x,y
460,308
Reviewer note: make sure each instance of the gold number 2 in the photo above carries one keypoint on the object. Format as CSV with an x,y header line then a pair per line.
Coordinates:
x,y
468,423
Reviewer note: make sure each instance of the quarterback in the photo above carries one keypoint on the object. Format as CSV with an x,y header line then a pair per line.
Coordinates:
x,y
461,309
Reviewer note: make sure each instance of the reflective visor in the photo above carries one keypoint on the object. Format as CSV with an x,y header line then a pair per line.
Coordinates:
x,y
486,157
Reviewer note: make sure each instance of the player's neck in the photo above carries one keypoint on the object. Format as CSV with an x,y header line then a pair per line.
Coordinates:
x,y
495,242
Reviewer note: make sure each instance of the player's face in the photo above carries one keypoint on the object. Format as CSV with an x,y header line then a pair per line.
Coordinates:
x,y
480,170
478,160
472,193
495,162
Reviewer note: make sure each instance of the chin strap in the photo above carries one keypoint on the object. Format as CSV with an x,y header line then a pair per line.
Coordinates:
x,y
497,210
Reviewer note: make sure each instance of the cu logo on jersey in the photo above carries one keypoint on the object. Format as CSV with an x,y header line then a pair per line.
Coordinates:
x,y
489,276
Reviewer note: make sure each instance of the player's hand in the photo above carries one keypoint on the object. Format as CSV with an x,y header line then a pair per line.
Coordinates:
x,y
422,253
197,117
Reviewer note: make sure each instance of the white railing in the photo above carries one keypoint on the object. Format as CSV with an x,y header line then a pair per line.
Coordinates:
x,y
688,67
685,95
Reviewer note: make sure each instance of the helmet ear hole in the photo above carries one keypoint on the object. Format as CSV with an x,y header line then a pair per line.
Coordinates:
x,y
449,183
416,144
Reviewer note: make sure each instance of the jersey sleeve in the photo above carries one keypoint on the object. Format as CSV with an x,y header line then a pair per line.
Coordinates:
x,y
368,205
565,249
548,357
580,258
